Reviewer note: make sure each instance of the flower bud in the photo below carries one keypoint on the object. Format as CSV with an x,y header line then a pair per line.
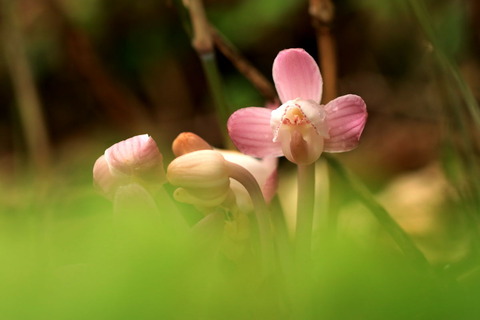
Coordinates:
x,y
137,156
203,177
187,142
198,169
135,159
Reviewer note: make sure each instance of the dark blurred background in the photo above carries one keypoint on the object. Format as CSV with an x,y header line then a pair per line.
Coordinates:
x,y
108,69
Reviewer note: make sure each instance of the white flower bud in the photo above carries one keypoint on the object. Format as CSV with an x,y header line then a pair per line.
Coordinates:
x,y
203,177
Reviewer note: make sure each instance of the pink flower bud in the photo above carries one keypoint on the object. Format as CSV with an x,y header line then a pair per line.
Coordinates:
x,y
137,156
135,159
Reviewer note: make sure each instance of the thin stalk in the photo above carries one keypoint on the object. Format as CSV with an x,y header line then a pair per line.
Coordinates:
x,y
202,42
301,285
322,13
214,80
281,238
305,204
258,80
401,238
28,101
243,176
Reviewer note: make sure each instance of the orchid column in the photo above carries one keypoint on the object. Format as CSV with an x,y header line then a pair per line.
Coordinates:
x,y
300,129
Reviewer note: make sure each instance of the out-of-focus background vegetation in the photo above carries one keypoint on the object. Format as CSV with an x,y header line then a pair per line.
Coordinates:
x,y
103,67
105,70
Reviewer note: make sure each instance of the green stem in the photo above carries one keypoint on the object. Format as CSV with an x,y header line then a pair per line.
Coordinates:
x,y
214,80
281,238
396,232
202,42
305,204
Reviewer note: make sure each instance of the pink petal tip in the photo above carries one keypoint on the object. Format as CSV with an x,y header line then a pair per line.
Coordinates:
x,y
296,75
346,117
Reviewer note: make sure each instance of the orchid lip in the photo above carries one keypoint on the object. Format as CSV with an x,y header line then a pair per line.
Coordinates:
x,y
301,115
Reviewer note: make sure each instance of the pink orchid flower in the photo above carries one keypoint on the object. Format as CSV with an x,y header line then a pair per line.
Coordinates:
x,y
301,128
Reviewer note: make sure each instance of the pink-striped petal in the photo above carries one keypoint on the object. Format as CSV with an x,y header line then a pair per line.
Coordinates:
x,y
346,117
296,75
134,155
250,131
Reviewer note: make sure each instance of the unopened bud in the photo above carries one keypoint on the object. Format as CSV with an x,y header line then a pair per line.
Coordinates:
x,y
135,159
198,169
187,142
137,156
203,178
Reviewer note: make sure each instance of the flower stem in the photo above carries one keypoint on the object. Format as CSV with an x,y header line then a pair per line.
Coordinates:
x,y
305,204
210,68
322,13
202,42
243,176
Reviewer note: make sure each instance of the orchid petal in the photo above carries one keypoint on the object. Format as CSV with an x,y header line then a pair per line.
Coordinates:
x,y
346,117
250,131
296,75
